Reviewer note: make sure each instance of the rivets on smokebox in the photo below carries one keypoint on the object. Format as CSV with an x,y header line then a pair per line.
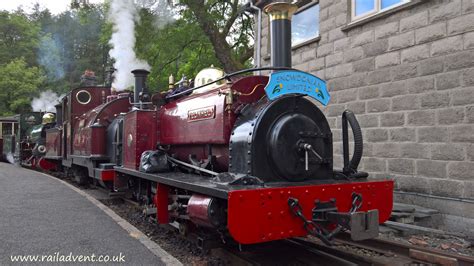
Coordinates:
x,y
269,214
248,152
248,162
282,213
241,197
339,189
269,195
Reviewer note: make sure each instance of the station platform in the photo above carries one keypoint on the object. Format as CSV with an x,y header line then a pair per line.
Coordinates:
x,y
43,217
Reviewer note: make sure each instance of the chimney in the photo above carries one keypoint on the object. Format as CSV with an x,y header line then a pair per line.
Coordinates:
x,y
109,76
140,84
88,79
280,13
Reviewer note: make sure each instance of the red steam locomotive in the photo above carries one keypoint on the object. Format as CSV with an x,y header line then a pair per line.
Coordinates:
x,y
244,157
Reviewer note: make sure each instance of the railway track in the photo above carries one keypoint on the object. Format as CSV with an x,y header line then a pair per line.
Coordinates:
x,y
406,253
308,251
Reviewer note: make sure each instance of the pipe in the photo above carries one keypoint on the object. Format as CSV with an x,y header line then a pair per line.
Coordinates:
x,y
350,167
140,85
259,35
280,14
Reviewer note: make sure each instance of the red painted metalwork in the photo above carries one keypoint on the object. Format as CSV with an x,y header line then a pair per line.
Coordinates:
x,y
161,203
198,210
107,175
45,164
262,215
178,129
90,128
250,89
139,135
73,110
53,142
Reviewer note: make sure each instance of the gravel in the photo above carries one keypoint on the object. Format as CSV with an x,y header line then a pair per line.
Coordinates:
x,y
170,240
447,243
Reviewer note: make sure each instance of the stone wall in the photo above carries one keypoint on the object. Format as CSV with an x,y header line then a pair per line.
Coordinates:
x,y
409,77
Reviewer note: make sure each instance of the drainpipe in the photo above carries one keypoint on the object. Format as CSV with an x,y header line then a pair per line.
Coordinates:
x,y
259,35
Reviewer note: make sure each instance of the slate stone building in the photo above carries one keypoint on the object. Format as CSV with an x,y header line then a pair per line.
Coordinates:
x,y
406,68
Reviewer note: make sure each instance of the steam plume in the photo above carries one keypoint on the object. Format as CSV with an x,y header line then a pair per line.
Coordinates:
x,y
45,102
123,14
10,158
49,56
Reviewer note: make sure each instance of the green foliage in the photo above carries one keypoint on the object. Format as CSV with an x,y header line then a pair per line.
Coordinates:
x,y
18,85
18,37
40,51
178,48
229,31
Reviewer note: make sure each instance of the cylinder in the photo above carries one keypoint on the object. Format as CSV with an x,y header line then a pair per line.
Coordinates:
x,y
280,14
140,83
206,211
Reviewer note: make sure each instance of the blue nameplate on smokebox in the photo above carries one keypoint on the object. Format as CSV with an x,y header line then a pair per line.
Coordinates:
x,y
296,82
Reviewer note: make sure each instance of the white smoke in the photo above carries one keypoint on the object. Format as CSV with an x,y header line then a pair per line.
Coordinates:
x,y
123,14
46,102
10,158
162,11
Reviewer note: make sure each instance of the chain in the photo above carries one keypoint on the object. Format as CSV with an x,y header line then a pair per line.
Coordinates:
x,y
315,229
311,227
356,202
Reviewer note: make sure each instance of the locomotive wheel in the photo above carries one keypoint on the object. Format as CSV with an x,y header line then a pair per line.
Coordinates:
x,y
80,176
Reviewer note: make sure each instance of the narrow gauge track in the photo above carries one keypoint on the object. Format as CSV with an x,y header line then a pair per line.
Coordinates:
x,y
283,252
407,252
310,251
305,251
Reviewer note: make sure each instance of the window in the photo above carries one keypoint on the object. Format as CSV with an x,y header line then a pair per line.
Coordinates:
x,y
365,8
83,97
305,24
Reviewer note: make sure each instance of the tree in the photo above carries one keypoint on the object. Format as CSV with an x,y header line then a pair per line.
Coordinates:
x,y
229,30
18,85
178,48
18,37
70,44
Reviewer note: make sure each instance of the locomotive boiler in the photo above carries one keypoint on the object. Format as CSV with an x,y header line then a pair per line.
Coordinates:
x,y
234,156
